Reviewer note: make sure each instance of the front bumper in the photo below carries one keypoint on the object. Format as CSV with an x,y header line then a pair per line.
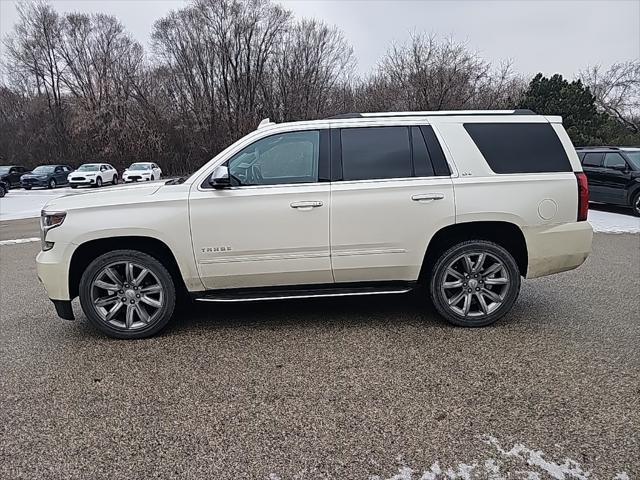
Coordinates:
x,y
34,183
52,268
555,249
87,181
135,178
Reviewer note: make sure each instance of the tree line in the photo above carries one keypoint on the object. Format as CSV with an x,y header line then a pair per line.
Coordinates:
x,y
79,88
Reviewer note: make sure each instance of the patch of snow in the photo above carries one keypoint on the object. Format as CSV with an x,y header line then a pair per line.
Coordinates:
x,y
18,204
560,471
524,463
609,222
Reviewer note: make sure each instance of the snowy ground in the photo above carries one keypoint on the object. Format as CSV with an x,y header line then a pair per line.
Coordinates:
x,y
20,203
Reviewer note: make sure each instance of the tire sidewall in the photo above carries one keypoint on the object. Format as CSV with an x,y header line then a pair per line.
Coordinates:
x,y
140,258
52,183
634,200
98,182
439,271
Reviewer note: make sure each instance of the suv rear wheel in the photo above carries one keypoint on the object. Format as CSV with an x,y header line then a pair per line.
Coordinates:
x,y
474,283
127,294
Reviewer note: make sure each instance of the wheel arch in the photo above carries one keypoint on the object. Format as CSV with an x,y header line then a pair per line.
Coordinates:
x,y
88,251
506,234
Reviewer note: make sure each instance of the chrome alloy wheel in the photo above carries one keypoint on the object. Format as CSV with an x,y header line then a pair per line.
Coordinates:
x,y
475,284
127,295
636,205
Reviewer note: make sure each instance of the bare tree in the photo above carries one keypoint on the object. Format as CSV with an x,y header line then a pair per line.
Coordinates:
x,y
617,91
428,74
311,63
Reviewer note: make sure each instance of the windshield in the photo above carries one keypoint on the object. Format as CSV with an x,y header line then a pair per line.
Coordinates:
x,y
140,166
88,168
43,169
634,158
4,170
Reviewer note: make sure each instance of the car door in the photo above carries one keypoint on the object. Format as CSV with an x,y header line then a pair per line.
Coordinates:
x,y
59,175
14,175
592,167
615,177
272,226
392,194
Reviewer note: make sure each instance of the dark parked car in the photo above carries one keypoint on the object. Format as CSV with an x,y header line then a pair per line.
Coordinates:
x,y
4,188
11,174
613,174
49,176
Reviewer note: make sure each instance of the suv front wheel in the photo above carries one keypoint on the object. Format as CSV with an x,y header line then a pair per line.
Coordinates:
x,y
474,283
127,294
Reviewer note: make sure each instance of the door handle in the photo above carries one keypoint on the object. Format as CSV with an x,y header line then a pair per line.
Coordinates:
x,y
427,197
306,205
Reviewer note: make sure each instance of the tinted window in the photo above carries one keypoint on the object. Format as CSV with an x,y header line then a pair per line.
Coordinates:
x,y
612,160
592,159
278,159
421,161
375,152
519,147
438,159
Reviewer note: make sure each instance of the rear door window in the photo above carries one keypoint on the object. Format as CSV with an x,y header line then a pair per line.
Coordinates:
x,y
519,147
421,160
614,160
592,159
370,153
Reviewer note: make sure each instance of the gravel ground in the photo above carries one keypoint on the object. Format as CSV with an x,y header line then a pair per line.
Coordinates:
x,y
347,388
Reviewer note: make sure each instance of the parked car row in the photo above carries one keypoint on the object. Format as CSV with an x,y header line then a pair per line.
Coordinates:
x,y
613,174
88,174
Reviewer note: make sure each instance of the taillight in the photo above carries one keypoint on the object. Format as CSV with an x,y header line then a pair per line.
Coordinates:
x,y
583,196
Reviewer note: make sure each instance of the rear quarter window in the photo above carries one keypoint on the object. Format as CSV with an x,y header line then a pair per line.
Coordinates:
x,y
519,147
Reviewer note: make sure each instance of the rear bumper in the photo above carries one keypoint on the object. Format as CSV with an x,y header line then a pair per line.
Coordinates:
x,y
558,248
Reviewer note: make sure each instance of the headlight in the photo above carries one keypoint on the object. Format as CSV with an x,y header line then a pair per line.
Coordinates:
x,y
89,174
49,220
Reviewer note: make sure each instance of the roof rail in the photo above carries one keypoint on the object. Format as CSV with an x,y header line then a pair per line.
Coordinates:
x,y
592,147
520,111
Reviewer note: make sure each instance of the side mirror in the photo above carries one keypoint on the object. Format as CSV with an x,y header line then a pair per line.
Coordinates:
x,y
220,177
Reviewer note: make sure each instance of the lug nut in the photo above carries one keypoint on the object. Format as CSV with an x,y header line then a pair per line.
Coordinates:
x,y
121,292
132,301
124,299
469,290
477,289
138,295
126,285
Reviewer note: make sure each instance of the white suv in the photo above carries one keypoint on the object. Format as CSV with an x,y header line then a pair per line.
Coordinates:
x,y
93,174
464,203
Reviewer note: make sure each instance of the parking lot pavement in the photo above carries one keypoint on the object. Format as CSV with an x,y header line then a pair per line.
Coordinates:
x,y
342,388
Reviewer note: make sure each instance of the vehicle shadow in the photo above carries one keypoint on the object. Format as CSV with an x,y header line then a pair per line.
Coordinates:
x,y
605,207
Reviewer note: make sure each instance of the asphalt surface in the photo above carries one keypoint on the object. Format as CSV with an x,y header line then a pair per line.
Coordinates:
x,y
341,388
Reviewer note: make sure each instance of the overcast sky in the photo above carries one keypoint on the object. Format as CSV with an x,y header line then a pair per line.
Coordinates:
x,y
548,36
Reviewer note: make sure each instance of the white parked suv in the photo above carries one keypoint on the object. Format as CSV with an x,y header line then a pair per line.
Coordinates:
x,y
464,203
93,174
141,171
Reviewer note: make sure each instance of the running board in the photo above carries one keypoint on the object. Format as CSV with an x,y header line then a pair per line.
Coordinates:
x,y
290,294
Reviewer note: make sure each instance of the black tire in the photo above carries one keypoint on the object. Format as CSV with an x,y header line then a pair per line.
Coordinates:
x,y
152,179
508,292
27,188
73,186
635,204
3,191
98,182
51,184
115,180
139,258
